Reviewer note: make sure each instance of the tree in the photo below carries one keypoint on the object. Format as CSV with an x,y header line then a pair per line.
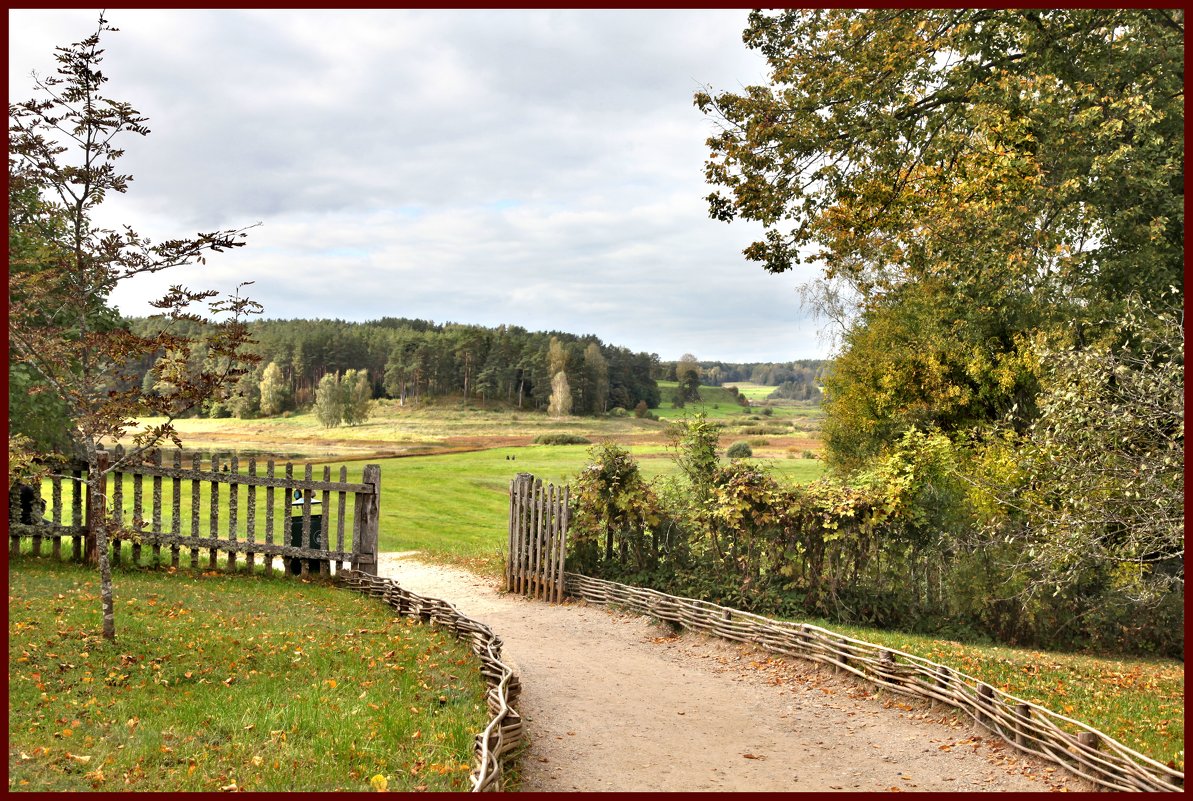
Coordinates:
x,y
561,396
329,401
245,402
60,327
274,392
1004,172
687,373
1100,476
596,370
357,392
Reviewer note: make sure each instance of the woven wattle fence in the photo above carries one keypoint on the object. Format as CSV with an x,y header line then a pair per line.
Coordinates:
x,y
1082,750
504,732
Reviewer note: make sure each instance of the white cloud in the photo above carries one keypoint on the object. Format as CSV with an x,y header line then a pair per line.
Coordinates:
x,y
539,168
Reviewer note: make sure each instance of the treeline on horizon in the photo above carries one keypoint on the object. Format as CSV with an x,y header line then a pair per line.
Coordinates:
x,y
415,360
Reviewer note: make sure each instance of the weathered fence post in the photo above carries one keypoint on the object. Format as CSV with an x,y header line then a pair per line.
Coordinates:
x,y
985,701
1023,718
366,523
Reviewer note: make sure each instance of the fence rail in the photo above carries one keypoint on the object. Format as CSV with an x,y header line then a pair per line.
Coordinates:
x,y
1079,748
537,539
504,731
304,540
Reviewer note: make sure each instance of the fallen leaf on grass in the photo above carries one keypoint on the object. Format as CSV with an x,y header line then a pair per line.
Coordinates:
x,y
83,760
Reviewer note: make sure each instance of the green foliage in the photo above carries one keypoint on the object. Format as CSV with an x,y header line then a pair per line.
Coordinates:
x,y
329,401
561,439
614,508
245,402
274,392
687,375
357,392
1099,483
695,444
739,450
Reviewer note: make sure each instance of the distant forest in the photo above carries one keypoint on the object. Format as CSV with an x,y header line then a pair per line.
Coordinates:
x,y
414,360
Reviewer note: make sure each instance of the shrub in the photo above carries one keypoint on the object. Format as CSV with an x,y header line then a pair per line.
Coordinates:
x,y
739,450
767,411
561,439
617,411
809,455
758,442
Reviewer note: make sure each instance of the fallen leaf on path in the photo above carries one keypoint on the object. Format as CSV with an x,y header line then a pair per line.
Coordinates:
x,y
752,756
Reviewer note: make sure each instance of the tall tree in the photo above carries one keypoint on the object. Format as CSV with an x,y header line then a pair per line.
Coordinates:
x,y
274,391
357,391
1007,170
329,401
65,148
596,370
561,396
687,373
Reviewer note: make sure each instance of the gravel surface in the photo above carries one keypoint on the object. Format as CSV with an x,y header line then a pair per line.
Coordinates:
x,y
616,701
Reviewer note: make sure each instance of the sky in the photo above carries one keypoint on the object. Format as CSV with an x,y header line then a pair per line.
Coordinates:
x,y
540,168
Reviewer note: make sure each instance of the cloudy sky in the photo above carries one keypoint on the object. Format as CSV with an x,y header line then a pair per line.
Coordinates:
x,y
537,168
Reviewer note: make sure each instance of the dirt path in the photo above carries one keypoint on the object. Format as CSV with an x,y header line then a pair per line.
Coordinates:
x,y
616,702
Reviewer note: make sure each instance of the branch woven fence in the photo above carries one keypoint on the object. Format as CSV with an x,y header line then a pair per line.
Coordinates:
x,y
504,732
1079,748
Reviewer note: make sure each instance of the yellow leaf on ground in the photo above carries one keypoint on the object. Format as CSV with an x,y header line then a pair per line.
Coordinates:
x,y
379,783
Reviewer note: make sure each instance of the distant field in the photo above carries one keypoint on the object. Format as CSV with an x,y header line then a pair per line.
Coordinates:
x,y
451,505
754,392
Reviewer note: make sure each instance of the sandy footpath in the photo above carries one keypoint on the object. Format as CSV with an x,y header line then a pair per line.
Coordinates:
x,y
614,701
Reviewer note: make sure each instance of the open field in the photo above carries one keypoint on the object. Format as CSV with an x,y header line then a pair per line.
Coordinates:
x,y
229,682
452,506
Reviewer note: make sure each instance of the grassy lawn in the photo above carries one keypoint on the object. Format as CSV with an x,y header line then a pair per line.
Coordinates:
x,y
218,681
1139,702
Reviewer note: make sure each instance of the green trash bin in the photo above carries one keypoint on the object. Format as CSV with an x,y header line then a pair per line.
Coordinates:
x,y
296,534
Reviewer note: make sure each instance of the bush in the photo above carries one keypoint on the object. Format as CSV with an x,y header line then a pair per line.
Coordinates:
x,y
767,411
758,442
217,410
809,455
561,439
641,410
762,430
617,411
739,450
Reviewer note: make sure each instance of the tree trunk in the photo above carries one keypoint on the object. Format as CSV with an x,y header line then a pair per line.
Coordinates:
x,y
97,539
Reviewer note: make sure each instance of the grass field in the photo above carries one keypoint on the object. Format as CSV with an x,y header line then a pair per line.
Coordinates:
x,y
229,682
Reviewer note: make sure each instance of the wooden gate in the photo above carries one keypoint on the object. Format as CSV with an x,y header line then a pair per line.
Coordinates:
x,y
537,539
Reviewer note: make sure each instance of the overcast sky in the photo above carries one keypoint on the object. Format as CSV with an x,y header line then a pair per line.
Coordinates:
x,y
536,168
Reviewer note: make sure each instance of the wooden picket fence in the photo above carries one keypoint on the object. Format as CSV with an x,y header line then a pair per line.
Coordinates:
x,y
538,525
303,541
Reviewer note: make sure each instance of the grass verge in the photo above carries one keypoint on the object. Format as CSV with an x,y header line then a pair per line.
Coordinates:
x,y
218,681
1139,702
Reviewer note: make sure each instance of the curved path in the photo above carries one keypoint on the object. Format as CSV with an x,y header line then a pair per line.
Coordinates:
x,y
617,702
